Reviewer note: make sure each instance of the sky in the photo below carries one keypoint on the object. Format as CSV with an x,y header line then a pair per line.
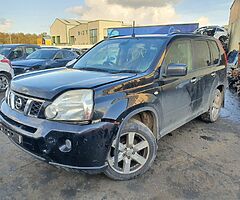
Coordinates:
x,y
35,16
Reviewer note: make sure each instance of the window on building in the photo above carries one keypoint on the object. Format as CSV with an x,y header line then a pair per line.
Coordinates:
x,y
53,40
86,32
79,33
72,40
93,36
58,40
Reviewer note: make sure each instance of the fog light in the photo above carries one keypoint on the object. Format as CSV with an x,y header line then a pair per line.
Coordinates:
x,y
67,147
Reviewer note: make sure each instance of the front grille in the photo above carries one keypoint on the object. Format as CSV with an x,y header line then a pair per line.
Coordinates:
x,y
26,105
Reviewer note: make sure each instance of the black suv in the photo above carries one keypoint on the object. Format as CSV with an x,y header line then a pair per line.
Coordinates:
x,y
17,51
106,111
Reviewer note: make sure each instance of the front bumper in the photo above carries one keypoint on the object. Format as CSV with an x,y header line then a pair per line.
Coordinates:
x,y
43,138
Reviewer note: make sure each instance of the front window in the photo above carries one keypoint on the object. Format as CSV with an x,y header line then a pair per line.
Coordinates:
x,y
122,55
5,51
42,54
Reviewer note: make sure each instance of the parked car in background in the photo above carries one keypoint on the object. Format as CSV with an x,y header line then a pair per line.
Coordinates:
x,y
106,112
75,50
233,59
43,59
6,73
218,32
17,51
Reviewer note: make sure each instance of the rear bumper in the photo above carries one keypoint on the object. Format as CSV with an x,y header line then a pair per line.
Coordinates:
x,y
43,139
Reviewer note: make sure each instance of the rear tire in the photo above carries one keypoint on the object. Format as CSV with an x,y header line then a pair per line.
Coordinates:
x,y
4,82
215,108
137,151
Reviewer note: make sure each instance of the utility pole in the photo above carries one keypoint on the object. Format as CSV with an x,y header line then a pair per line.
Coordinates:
x,y
10,38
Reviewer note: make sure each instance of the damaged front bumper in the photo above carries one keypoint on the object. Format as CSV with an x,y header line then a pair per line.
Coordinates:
x,y
87,146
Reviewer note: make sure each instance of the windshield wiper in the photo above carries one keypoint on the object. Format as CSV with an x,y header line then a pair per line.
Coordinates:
x,y
128,71
94,69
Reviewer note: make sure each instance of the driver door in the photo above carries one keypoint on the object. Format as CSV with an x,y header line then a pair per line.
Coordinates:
x,y
177,92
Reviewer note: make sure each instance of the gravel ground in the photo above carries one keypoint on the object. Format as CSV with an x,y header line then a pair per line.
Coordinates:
x,y
197,161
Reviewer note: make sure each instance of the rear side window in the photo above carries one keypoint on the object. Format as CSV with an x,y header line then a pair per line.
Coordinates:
x,y
68,54
215,53
29,50
201,54
179,53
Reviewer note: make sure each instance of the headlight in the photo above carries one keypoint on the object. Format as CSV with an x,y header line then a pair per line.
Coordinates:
x,y
74,105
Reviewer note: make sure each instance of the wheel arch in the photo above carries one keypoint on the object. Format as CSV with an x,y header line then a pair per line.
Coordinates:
x,y
143,114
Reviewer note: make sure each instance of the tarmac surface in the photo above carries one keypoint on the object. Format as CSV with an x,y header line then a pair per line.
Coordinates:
x,y
197,161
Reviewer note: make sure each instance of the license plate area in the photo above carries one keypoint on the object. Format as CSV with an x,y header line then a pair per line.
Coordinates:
x,y
17,138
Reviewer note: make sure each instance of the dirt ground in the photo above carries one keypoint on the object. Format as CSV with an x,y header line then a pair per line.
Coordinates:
x,y
197,161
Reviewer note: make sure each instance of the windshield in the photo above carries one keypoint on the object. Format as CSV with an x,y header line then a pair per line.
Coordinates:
x,y
131,55
42,54
4,51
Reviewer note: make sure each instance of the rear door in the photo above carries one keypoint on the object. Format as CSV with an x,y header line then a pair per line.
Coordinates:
x,y
202,70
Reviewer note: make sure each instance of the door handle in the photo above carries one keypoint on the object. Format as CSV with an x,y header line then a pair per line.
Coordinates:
x,y
193,80
213,74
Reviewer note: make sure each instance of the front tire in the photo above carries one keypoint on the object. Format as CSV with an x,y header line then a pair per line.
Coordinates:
x,y
4,82
137,151
215,108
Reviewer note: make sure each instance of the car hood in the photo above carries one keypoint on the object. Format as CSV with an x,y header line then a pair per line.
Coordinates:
x,y
28,63
46,84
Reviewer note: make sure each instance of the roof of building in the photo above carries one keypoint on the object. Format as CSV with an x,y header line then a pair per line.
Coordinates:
x,y
72,21
233,3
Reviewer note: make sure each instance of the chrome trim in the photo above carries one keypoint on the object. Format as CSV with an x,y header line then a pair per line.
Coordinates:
x,y
26,97
28,107
80,168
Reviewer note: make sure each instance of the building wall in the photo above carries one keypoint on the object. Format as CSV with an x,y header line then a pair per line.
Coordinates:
x,y
80,34
234,25
58,28
85,34
104,25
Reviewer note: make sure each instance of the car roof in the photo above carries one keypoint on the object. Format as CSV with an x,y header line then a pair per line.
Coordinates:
x,y
167,36
18,45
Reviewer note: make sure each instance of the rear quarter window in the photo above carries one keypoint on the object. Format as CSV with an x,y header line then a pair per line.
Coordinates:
x,y
202,57
215,52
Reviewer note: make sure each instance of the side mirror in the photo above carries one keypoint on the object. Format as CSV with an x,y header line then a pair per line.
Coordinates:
x,y
174,69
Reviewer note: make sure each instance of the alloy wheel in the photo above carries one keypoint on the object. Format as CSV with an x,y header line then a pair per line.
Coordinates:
x,y
132,155
4,82
216,107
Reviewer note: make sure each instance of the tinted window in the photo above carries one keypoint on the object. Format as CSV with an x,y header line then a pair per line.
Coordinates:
x,y
5,51
68,54
42,54
179,53
16,53
59,55
29,50
121,55
215,53
201,54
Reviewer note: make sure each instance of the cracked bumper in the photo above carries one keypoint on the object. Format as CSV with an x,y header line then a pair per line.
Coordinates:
x,y
43,138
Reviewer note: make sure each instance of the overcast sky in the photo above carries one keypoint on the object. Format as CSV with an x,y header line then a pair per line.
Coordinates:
x,y
34,16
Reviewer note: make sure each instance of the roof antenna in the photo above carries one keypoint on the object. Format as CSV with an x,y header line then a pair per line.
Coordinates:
x,y
133,31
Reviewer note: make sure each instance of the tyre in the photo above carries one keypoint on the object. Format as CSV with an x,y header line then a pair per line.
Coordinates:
x,y
4,82
137,151
215,108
